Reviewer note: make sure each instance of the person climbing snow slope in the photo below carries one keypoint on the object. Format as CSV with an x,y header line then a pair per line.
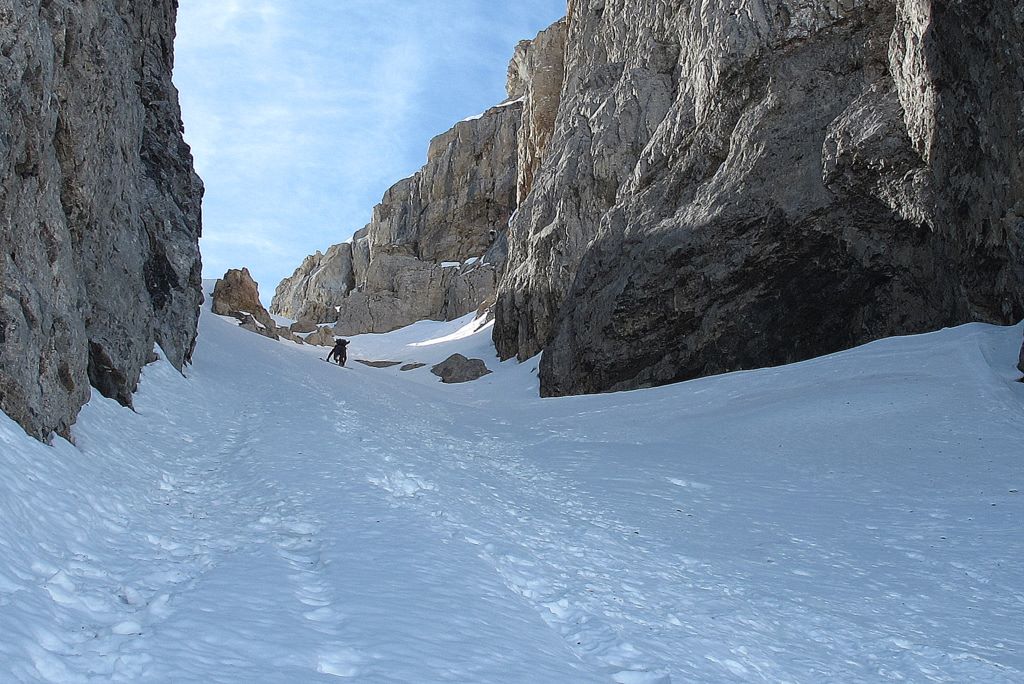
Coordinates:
x,y
339,353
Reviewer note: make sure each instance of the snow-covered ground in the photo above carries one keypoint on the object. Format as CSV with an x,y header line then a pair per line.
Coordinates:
x,y
271,518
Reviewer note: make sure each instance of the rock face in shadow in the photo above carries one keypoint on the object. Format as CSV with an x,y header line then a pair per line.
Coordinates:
x,y
729,189
100,206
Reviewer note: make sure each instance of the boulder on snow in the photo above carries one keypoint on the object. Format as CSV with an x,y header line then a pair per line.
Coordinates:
x,y
457,368
303,327
411,366
1020,361
378,364
238,295
252,325
323,337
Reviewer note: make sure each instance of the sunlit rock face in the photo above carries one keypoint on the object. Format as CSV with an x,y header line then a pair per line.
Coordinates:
x,y
317,287
427,252
734,187
536,75
100,205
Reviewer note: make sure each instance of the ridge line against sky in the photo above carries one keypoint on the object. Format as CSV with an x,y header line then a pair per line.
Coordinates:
x,y
301,115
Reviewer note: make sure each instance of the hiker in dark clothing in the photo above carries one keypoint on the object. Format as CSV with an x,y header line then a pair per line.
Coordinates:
x,y
339,352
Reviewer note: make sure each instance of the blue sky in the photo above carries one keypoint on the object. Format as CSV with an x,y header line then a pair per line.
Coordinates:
x,y
302,113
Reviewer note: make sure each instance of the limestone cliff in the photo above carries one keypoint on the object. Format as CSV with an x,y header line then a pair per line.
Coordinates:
x,y
100,205
421,256
708,186
536,74
317,287
729,187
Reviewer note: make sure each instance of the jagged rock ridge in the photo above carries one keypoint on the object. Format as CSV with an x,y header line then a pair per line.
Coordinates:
x,y
99,202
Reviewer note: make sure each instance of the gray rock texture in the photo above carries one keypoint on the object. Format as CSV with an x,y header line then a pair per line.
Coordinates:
x,y
321,337
99,202
410,262
458,369
379,364
238,295
303,327
536,75
735,187
317,287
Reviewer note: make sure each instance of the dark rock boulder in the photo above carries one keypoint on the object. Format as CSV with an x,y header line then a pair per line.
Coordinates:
x,y
379,364
249,322
321,337
457,369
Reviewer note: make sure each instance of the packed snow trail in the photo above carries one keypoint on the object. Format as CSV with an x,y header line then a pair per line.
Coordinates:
x,y
274,519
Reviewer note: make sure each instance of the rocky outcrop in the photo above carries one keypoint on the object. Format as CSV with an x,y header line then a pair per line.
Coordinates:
x,y
1020,359
317,287
238,295
399,290
727,188
379,364
303,327
458,369
100,206
426,254
321,337
536,75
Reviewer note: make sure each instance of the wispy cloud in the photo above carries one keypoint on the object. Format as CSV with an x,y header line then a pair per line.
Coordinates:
x,y
302,114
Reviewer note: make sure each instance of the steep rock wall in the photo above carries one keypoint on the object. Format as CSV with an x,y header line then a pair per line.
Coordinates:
x,y
420,256
536,75
100,205
728,188
318,286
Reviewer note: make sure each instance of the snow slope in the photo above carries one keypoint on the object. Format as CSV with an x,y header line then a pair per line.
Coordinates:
x,y
271,518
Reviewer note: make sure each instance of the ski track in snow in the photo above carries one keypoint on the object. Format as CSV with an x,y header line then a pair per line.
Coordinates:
x,y
853,518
